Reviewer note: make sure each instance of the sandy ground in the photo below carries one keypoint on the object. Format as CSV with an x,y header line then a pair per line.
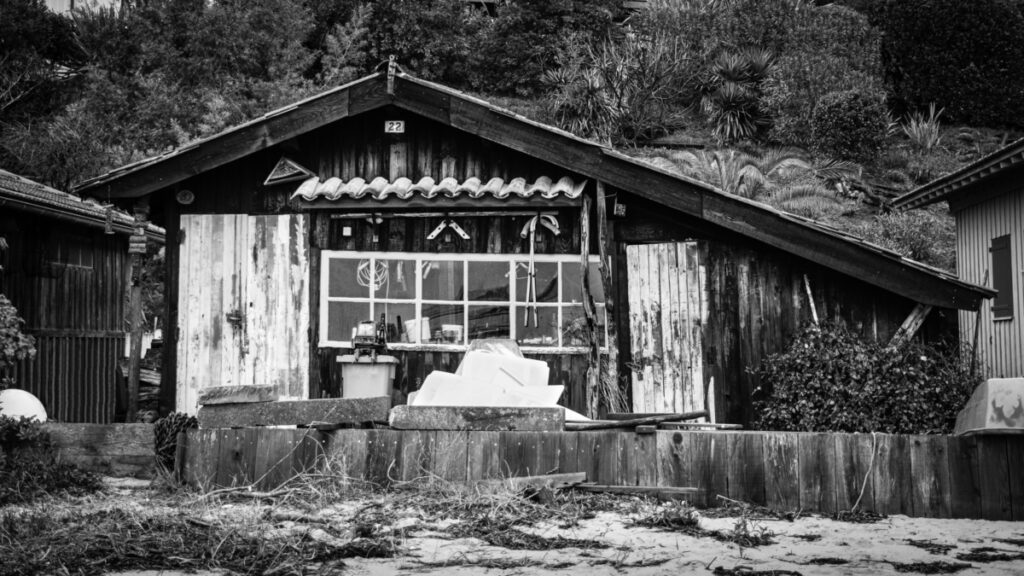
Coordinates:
x,y
806,546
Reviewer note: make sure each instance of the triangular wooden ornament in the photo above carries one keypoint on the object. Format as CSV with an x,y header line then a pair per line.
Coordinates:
x,y
287,170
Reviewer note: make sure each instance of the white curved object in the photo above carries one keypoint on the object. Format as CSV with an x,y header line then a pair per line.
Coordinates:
x,y
16,403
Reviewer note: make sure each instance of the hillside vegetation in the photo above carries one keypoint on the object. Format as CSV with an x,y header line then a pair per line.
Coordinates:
x,y
826,111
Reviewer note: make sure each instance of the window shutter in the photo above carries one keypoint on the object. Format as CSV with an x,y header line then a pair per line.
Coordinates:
x,y
1002,277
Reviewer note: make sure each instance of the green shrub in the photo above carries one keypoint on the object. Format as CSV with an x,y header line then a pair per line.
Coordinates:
x,y
29,467
964,56
832,380
927,235
830,48
15,345
850,125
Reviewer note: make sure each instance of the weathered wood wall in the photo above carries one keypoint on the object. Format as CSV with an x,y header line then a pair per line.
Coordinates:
x,y
76,313
667,313
1000,342
243,292
926,476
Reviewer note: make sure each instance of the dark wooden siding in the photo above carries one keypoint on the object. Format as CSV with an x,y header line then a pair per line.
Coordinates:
x,y
76,313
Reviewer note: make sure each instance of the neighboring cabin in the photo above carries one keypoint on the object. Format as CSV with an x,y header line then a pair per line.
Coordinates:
x,y
66,270
987,200
285,232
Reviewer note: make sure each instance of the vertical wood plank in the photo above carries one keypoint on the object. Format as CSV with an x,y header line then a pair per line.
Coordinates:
x,y
568,450
995,478
891,477
1015,465
817,473
381,457
853,461
675,450
645,457
547,458
587,454
964,477
236,457
929,470
346,453
746,467
782,470
483,456
272,467
416,454
451,455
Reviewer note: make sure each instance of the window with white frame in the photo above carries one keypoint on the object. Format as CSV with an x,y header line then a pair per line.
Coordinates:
x,y
452,299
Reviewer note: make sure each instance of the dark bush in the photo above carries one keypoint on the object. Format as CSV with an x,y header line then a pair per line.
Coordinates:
x,y
850,124
29,467
165,435
963,56
832,380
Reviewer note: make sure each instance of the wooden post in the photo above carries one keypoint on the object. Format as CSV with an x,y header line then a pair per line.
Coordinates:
x,y
977,327
603,242
590,314
137,250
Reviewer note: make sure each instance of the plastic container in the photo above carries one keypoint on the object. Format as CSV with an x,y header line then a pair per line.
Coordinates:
x,y
366,379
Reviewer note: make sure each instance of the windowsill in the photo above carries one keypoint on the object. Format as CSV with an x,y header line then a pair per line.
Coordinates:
x,y
410,347
1003,319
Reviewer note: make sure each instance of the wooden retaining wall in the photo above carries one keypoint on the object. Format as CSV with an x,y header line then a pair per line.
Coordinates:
x,y
931,476
109,449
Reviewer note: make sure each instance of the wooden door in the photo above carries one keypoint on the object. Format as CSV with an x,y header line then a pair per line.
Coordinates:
x,y
667,309
243,301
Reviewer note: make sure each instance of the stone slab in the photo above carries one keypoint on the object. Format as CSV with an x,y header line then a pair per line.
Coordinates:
x,y
296,413
547,419
237,395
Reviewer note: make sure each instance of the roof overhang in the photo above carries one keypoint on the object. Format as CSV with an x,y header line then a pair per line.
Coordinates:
x,y
975,173
797,236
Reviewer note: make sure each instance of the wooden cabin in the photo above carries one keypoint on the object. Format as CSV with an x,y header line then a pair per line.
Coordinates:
x,y
987,200
398,197
66,270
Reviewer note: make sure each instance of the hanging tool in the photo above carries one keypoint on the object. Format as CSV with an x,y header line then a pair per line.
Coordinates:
x,y
448,223
530,230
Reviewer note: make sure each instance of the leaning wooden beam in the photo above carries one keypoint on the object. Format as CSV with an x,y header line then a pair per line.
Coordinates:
x,y
137,252
603,244
590,314
661,491
698,426
477,418
554,481
610,424
910,325
296,413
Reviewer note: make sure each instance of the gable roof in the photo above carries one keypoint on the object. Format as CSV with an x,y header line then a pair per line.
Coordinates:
x,y
977,172
797,236
21,193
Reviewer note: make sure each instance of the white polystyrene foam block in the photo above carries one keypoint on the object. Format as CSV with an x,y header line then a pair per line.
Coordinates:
x,y
444,389
483,367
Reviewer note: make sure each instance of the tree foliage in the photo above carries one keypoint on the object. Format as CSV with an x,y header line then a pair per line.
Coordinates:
x,y
963,56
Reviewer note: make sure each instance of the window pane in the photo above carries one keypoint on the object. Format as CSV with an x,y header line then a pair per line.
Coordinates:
x,y
488,281
344,278
442,324
572,283
343,317
396,316
574,326
546,274
488,322
442,280
544,333
396,279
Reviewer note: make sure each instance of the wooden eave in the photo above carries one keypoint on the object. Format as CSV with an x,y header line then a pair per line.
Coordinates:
x,y
956,184
797,236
